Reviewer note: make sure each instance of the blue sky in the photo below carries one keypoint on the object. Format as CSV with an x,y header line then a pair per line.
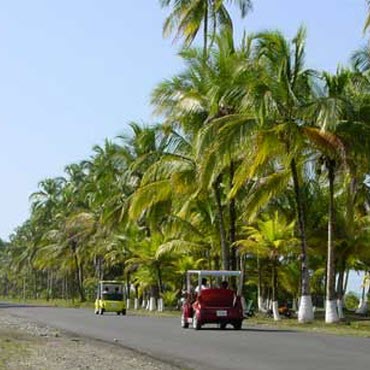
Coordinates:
x,y
73,73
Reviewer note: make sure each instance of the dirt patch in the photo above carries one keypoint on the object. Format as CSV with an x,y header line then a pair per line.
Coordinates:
x,y
31,346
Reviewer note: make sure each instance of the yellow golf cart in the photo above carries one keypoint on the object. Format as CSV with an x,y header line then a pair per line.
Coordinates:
x,y
110,297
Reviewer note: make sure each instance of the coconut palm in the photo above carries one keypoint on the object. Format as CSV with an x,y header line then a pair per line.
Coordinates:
x,y
271,237
341,132
192,101
275,99
188,16
150,267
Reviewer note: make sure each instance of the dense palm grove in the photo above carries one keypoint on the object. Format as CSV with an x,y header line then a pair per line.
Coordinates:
x,y
258,163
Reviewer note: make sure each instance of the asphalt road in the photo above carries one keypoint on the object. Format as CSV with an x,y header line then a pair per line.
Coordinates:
x,y
252,348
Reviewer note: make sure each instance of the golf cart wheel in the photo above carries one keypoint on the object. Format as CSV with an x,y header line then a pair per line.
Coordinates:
x,y
123,312
101,311
184,323
196,324
118,313
238,324
223,325
96,312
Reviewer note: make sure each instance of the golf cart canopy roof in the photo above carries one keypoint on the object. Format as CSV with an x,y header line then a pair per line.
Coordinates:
x,y
223,274
214,273
111,282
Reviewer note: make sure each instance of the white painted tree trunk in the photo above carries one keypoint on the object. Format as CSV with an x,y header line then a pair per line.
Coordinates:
x,y
294,305
261,307
160,305
340,309
147,304
275,310
128,303
136,304
244,304
305,312
143,303
152,304
331,315
362,307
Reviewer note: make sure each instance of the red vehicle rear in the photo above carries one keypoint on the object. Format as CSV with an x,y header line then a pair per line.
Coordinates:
x,y
213,305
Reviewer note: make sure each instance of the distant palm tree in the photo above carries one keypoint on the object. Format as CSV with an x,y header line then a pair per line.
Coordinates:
x,y
271,237
187,17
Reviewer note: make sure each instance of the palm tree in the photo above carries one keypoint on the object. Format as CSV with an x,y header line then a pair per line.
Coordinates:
x,y
150,267
194,100
187,16
271,237
341,132
275,98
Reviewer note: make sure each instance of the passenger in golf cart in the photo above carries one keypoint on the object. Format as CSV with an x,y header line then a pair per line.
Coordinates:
x,y
202,286
219,305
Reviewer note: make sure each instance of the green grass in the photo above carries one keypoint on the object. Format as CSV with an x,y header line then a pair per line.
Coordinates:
x,y
353,325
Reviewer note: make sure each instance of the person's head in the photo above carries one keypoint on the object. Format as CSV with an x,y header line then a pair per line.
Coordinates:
x,y
204,281
224,284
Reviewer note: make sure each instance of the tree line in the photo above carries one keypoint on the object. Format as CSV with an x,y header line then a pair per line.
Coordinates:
x,y
259,163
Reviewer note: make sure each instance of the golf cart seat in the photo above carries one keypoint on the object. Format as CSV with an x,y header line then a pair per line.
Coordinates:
x,y
217,298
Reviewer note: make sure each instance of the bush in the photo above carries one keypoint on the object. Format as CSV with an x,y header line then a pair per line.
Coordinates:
x,y
351,301
170,298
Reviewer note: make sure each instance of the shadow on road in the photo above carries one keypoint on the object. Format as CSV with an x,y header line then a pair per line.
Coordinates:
x,y
261,330
256,330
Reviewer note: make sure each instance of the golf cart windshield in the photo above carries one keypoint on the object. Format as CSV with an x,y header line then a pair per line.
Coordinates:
x,y
111,290
113,296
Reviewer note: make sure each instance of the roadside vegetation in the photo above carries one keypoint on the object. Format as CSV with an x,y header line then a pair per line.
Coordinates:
x,y
257,162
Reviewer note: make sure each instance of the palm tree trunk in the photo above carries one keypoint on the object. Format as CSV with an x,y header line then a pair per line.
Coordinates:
x,y
305,313
259,286
331,315
128,284
24,288
35,284
275,306
232,216
160,282
345,285
205,30
79,274
340,290
224,246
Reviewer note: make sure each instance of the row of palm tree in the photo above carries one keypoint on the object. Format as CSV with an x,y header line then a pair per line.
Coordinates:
x,y
258,163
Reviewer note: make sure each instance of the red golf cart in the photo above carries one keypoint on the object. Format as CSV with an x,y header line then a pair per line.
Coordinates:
x,y
215,303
